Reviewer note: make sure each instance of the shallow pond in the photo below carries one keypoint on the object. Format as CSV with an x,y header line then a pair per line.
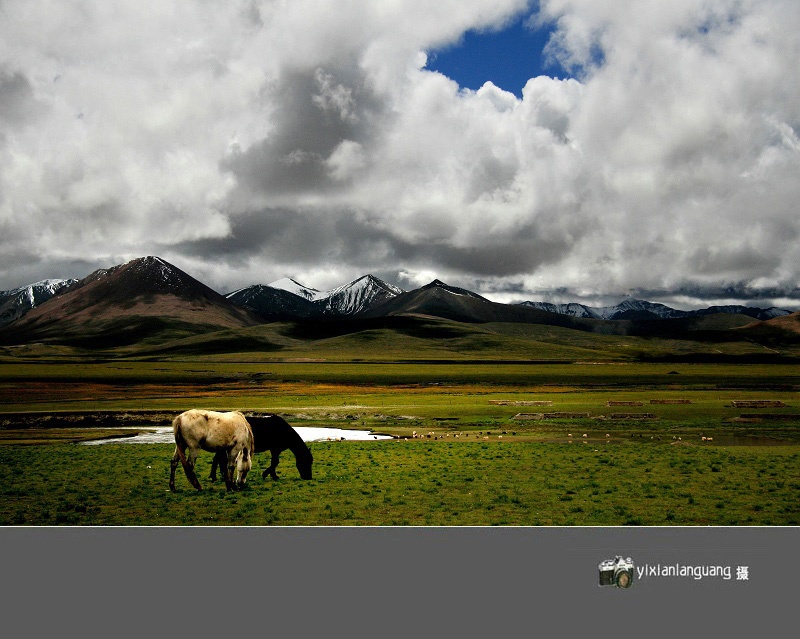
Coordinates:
x,y
163,435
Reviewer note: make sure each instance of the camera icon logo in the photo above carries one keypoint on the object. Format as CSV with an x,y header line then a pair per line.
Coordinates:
x,y
616,572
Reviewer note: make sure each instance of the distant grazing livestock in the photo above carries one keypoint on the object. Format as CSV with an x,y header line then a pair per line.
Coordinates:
x,y
227,435
273,433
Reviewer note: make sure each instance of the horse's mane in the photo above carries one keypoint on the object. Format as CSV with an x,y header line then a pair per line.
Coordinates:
x,y
297,445
273,430
301,449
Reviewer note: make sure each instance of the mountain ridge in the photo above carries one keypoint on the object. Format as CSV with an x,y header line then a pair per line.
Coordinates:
x,y
641,309
19,301
352,298
147,295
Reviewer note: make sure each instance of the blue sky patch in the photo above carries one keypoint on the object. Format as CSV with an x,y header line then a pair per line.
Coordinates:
x,y
508,58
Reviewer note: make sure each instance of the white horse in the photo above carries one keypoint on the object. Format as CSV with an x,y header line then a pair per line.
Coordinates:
x,y
227,433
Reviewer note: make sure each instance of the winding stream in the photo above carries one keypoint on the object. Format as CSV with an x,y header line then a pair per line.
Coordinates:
x,y
163,435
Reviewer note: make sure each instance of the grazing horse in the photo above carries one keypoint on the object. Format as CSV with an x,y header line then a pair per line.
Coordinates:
x,y
227,435
275,434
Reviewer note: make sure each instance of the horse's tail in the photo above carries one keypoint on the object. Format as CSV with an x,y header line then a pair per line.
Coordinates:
x,y
251,434
180,445
180,442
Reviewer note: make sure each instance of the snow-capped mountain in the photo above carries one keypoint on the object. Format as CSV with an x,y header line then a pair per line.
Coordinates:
x,y
640,309
273,304
357,296
571,309
349,299
17,302
757,313
293,286
128,303
438,284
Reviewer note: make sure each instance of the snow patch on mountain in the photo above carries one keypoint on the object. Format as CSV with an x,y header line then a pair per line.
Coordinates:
x,y
571,309
357,296
349,299
158,274
17,302
293,286
640,309
453,290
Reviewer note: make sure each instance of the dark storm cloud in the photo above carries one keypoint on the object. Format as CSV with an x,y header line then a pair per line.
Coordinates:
x,y
18,105
289,236
298,237
315,112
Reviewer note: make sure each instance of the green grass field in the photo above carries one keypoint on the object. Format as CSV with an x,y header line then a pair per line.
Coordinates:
x,y
506,408
420,483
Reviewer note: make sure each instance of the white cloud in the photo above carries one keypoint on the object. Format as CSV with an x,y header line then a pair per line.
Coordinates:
x,y
286,138
345,160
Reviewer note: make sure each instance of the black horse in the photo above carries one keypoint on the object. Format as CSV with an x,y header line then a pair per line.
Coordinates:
x,y
273,433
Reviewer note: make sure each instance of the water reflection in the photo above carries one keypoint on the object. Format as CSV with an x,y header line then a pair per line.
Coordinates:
x,y
163,435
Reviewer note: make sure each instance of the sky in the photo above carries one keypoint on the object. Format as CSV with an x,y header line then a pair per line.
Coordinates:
x,y
560,150
507,55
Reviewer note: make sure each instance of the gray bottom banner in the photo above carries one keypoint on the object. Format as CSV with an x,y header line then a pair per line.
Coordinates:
x,y
397,581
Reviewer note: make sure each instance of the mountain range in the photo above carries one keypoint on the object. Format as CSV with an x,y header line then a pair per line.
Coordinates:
x,y
150,299
640,309
288,299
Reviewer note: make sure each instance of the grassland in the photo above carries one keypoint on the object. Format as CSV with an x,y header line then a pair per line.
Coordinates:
x,y
414,483
502,411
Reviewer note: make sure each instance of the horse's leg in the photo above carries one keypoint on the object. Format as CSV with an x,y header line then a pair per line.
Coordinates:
x,y
188,468
226,467
217,462
273,464
173,464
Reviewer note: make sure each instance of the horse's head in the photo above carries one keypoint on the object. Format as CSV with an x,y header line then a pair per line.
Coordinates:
x,y
244,462
304,465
